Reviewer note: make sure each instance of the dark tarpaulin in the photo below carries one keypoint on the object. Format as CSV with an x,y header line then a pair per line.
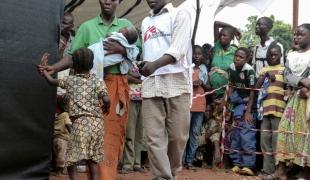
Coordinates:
x,y
27,102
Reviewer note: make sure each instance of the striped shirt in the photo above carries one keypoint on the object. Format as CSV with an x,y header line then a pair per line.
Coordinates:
x,y
274,103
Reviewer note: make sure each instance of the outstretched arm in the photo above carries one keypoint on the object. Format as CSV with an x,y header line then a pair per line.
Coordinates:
x,y
64,63
52,81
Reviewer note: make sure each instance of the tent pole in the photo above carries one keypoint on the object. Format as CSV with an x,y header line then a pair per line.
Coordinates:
x,y
198,9
295,13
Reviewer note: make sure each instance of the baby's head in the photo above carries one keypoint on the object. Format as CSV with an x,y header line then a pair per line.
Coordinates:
x,y
130,34
82,60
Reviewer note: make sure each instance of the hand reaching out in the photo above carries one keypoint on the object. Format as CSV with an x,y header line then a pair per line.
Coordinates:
x,y
43,66
44,59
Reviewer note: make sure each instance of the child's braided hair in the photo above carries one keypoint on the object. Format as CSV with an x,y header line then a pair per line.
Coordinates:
x,y
83,59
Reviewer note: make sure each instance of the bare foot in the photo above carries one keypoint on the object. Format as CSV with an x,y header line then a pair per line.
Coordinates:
x,y
280,175
217,157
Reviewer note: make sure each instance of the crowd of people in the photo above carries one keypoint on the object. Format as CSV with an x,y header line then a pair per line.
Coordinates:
x,y
127,93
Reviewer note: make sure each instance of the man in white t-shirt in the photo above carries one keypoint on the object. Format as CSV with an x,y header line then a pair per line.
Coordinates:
x,y
166,88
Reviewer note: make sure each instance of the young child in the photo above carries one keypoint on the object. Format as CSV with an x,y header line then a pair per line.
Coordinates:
x,y
200,78
207,52
242,75
273,106
126,36
210,132
62,129
87,101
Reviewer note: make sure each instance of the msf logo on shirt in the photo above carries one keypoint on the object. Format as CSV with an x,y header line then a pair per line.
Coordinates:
x,y
151,30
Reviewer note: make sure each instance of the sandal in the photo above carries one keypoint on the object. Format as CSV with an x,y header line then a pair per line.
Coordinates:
x,y
236,169
246,171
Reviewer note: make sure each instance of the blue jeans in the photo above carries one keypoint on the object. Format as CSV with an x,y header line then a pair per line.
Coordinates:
x,y
243,140
194,132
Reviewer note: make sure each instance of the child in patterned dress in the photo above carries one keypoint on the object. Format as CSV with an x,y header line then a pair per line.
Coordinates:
x,y
87,101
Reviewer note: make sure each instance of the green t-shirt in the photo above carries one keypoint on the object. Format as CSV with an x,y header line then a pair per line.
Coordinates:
x,y
244,78
93,30
222,60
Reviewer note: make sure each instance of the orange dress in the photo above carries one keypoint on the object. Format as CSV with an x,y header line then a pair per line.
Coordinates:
x,y
115,125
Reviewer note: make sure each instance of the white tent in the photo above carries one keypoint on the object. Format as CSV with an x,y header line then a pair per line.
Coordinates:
x,y
209,9
91,8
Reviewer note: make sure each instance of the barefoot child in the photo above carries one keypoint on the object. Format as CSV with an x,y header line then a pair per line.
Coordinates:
x,y
242,75
88,100
210,131
62,129
273,107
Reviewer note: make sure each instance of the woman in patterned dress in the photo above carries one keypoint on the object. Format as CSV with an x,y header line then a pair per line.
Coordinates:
x,y
87,101
294,147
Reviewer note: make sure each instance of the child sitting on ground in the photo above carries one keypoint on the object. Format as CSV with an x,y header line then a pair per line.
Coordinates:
x,y
209,132
87,101
243,139
62,129
126,36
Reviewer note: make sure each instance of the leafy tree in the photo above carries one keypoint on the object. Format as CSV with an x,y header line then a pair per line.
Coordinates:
x,y
281,31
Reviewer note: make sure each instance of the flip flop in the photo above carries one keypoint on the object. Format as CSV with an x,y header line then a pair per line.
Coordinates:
x,y
247,171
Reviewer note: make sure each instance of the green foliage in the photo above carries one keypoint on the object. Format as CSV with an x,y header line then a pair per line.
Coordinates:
x,y
281,31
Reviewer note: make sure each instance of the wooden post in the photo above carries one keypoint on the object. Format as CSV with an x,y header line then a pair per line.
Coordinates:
x,y
198,9
295,13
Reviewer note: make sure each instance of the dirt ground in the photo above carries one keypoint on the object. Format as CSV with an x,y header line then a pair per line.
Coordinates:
x,y
199,174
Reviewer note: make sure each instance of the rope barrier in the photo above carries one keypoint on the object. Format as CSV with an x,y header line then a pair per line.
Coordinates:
x,y
224,149
228,150
272,131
